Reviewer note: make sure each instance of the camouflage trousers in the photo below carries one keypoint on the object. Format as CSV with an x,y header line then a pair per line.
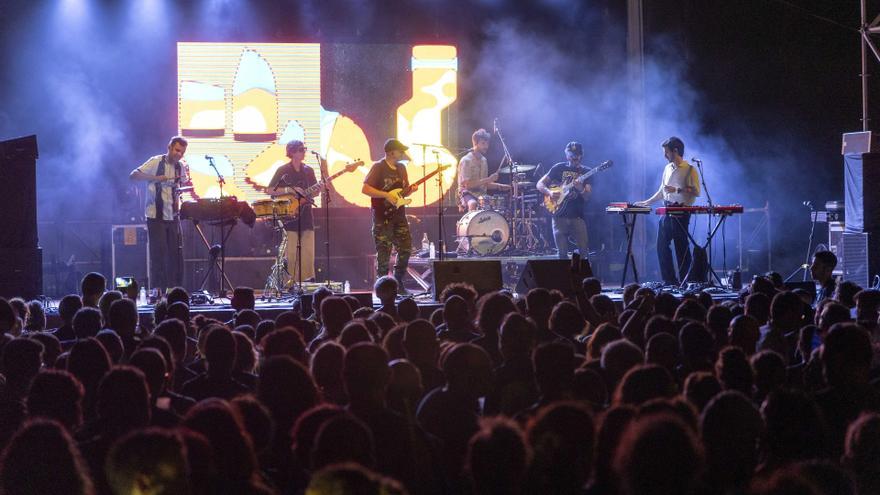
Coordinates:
x,y
392,232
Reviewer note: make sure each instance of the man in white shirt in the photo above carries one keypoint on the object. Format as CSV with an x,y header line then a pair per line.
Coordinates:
x,y
163,174
680,187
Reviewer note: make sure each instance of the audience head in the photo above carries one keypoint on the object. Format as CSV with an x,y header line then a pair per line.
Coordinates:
x,y
497,457
57,395
846,355
43,458
644,383
123,399
87,322
492,309
105,301
744,332
562,437
659,454
174,332
148,461
518,336
385,289
92,287
112,344
335,313
468,371
407,309
68,306
243,298
420,343
286,388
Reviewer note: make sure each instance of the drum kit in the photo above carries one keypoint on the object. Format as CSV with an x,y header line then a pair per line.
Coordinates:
x,y
508,222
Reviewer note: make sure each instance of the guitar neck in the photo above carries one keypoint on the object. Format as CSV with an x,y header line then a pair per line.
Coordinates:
x,y
318,185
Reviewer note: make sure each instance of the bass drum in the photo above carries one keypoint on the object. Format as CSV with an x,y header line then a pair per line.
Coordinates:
x,y
487,231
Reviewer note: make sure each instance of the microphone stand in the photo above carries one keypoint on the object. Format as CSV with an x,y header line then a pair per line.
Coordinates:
x,y
814,215
441,253
709,202
326,200
221,181
513,189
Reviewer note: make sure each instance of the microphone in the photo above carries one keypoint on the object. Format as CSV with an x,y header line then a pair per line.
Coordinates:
x,y
808,204
283,180
696,160
209,157
317,155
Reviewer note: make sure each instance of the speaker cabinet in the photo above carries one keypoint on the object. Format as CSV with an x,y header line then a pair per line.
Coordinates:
x,y
484,275
861,257
21,272
862,192
130,253
550,274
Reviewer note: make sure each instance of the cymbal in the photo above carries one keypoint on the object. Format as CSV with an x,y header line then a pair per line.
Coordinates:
x,y
520,167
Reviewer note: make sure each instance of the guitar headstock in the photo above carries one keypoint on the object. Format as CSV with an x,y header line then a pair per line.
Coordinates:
x,y
351,167
606,164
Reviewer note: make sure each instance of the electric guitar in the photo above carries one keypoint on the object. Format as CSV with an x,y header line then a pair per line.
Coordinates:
x,y
399,196
295,199
568,191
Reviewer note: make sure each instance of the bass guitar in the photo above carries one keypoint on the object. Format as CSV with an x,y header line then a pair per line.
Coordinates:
x,y
568,191
295,199
399,196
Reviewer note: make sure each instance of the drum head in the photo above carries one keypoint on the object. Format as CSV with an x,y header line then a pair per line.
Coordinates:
x,y
487,231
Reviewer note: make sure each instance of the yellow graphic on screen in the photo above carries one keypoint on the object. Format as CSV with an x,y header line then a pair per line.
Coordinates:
x,y
202,109
254,102
254,89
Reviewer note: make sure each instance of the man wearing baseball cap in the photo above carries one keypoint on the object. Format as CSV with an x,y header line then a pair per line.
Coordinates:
x,y
390,226
568,219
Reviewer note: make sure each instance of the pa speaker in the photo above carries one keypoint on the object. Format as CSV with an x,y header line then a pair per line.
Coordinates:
x,y
861,257
21,272
862,192
18,188
484,275
550,274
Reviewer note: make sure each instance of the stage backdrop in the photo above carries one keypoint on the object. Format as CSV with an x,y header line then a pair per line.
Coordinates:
x,y
240,103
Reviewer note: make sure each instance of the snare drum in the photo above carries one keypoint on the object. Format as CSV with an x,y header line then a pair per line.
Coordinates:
x,y
494,202
487,231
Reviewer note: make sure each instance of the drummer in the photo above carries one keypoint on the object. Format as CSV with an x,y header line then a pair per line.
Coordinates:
x,y
291,180
473,173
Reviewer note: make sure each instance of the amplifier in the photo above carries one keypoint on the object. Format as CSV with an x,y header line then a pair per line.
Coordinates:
x,y
130,253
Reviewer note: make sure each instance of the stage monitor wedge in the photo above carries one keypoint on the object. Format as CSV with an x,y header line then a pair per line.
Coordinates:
x,y
550,274
484,275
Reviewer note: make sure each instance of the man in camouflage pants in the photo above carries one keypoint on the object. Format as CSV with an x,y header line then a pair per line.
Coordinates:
x,y
390,226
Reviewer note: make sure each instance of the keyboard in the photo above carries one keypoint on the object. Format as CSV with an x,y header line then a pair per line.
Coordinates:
x,y
700,210
622,207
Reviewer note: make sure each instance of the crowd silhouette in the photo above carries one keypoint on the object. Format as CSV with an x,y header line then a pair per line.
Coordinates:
x,y
771,393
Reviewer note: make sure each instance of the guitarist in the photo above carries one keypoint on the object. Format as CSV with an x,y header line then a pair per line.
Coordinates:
x,y
568,220
390,226
293,178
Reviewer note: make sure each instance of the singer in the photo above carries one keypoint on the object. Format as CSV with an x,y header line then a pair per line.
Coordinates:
x,y
164,173
473,172
291,180
680,186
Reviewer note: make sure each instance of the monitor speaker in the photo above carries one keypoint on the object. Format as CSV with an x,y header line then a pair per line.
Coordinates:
x,y
484,275
550,274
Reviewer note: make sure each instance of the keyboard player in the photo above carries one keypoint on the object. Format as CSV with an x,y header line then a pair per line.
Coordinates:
x,y
680,186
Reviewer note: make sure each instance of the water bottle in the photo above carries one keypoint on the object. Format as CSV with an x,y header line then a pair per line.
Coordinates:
x,y
432,251
346,288
425,242
142,297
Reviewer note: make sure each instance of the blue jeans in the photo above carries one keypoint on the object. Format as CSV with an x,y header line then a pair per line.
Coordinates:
x,y
574,229
673,229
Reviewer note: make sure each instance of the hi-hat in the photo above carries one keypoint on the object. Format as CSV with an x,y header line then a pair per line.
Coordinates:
x,y
517,167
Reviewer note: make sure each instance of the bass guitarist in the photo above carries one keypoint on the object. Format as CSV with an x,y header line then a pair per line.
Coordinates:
x,y
390,226
568,219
